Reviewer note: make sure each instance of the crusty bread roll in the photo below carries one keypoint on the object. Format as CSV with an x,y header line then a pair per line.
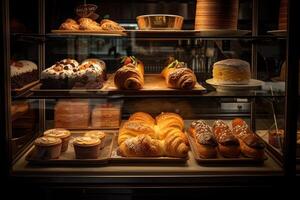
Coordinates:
x,y
251,145
228,144
205,141
231,72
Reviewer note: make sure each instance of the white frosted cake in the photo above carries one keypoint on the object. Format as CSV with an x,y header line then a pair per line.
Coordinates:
x,y
231,72
22,72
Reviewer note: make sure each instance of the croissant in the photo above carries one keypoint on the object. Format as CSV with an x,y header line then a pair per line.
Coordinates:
x,y
110,25
228,144
130,75
88,24
134,128
204,139
167,119
251,145
143,117
175,143
142,145
178,76
69,24
139,136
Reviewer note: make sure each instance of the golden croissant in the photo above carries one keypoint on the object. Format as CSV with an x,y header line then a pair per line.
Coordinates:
x,y
139,136
130,75
178,76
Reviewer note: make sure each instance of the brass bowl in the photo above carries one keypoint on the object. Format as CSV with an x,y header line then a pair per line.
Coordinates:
x,y
160,22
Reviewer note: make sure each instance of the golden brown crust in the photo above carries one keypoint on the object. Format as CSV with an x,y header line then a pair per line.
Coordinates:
x,y
89,24
142,116
167,119
229,151
179,76
110,25
251,152
140,137
130,76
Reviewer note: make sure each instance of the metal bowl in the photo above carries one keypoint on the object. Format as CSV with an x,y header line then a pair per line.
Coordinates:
x,y
160,22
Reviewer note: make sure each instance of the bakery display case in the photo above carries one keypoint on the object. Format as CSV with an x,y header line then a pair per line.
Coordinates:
x,y
159,94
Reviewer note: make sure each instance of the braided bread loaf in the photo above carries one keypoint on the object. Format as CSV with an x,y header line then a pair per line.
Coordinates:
x,y
139,136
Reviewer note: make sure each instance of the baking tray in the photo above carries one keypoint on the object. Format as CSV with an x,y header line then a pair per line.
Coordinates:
x,y
86,33
68,158
220,159
154,85
115,158
18,91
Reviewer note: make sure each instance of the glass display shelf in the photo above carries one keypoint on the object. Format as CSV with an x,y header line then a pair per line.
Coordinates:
x,y
149,35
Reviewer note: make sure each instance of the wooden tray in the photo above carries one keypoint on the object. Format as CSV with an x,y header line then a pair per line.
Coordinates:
x,y
154,85
87,33
19,91
68,157
220,159
115,158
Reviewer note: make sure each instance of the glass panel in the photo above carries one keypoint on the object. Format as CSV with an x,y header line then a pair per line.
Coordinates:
x,y
24,73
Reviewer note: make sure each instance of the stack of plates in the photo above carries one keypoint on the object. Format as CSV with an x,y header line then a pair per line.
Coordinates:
x,y
216,14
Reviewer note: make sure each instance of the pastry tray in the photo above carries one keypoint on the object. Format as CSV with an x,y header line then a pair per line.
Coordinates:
x,y
115,158
220,159
18,91
154,85
68,157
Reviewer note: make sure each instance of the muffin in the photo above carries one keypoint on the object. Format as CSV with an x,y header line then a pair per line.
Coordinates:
x,y
276,137
86,147
97,134
48,147
61,133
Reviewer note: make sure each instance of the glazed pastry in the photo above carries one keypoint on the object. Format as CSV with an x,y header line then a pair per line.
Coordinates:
x,y
134,128
86,147
88,24
141,146
143,117
251,145
97,134
178,76
62,134
69,24
228,144
231,71
47,147
130,75
139,136
205,140
22,72
110,25
169,120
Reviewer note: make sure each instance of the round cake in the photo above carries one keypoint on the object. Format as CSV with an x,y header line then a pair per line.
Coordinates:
x,y
231,72
216,14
